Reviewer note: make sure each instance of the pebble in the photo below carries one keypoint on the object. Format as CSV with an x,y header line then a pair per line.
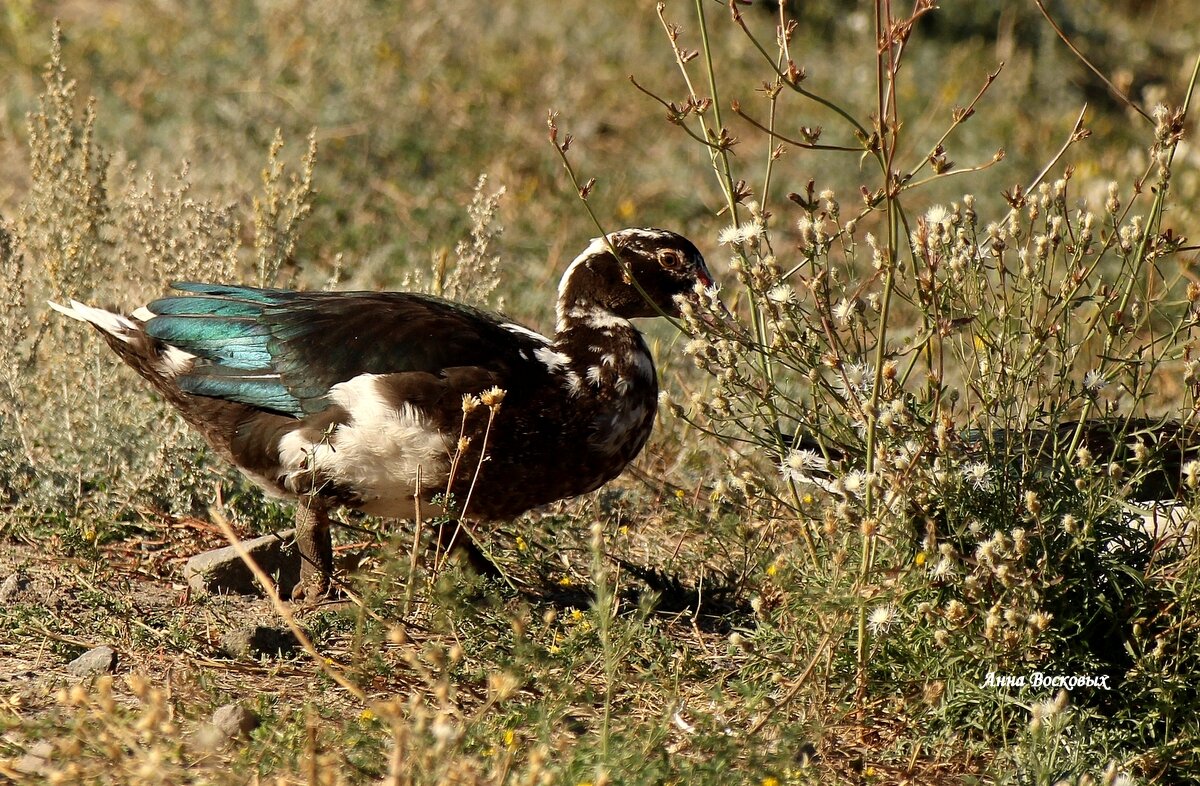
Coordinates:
x,y
223,571
98,660
10,587
234,720
36,760
257,641
229,722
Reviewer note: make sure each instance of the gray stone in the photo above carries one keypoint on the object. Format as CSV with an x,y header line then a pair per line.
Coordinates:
x,y
229,723
11,586
222,570
36,760
257,641
98,660
234,720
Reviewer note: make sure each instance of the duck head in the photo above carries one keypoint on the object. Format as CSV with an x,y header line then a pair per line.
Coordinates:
x,y
655,267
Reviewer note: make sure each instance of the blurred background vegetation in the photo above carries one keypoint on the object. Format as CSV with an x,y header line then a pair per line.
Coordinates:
x,y
411,103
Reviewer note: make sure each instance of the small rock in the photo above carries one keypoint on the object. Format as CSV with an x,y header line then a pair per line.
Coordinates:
x,y
36,759
256,641
11,586
234,720
222,570
98,660
230,722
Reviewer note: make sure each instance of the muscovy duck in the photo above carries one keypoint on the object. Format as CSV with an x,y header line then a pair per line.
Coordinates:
x,y
372,400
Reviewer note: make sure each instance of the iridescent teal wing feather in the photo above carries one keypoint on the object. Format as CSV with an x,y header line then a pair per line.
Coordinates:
x,y
283,350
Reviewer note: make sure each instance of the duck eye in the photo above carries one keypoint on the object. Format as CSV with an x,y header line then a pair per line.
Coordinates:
x,y
670,258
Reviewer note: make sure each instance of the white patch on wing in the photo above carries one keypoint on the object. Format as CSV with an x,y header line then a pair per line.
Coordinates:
x,y
143,313
609,359
113,324
559,363
376,454
623,384
553,359
594,375
521,330
175,361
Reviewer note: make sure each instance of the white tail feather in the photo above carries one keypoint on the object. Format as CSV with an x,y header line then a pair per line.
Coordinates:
x,y
172,361
113,324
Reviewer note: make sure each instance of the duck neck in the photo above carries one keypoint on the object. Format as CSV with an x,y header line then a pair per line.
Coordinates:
x,y
605,350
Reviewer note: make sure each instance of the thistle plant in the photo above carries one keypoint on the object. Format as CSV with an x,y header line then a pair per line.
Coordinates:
x,y
953,413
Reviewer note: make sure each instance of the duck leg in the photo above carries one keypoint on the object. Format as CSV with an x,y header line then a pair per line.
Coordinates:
x,y
316,549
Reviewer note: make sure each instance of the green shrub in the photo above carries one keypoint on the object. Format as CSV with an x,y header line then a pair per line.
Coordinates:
x,y
949,419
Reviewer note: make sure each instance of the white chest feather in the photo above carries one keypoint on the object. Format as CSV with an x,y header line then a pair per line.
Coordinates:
x,y
377,454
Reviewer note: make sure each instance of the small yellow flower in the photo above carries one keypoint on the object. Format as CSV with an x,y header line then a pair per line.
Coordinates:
x,y
869,772
576,615
920,558
772,569
770,781
510,739
366,715
807,499
623,529
565,581
680,494
521,544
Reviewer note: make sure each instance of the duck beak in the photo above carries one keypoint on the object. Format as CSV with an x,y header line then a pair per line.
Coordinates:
x,y
703,276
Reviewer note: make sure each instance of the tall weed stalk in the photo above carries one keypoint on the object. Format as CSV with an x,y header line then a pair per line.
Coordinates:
x,y
966,409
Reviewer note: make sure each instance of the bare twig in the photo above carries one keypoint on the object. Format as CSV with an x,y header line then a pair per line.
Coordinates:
x,y
1083,59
